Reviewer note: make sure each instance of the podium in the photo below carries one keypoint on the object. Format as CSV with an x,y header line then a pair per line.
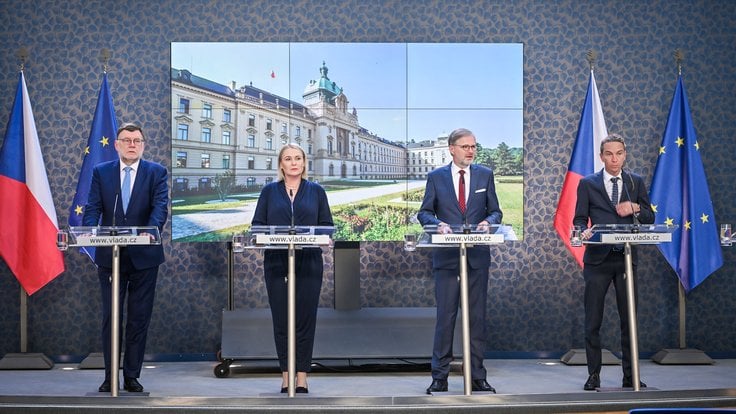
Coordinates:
x,y
626,235
460,237
289,238
115,237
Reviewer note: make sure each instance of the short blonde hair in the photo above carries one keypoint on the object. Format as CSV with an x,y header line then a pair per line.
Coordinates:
x,y
281,155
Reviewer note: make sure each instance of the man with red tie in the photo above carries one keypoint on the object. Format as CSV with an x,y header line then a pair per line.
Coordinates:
x,y
460,193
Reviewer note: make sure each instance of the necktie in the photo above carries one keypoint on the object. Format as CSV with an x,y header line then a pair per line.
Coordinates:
x,y
614,192
126,188
461,191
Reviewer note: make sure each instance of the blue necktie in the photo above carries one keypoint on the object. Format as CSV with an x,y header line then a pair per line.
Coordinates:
x,y
126,188
614,192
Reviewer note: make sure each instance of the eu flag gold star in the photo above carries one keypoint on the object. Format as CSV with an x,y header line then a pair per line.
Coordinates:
x,y
704,218
679,141
661,150
669,221
104,141
687,225
86,150
654,208
78,210
696,145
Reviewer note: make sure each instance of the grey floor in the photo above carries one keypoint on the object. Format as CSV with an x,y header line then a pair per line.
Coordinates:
x,y
533,385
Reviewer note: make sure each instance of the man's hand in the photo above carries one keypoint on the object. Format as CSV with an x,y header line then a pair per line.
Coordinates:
x,y
627,208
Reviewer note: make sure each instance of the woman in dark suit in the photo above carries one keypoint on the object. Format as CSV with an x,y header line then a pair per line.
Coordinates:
x,y
307,201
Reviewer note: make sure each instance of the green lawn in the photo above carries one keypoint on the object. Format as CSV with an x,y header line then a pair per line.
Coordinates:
x,y
379,218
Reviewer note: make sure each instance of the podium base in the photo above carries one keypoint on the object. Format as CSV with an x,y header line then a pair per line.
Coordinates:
x,y
95,360
26,360
688,356
577,357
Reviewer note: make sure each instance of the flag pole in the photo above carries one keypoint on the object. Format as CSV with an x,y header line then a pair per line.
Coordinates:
x,y
577,356
682,355
24,359
95,360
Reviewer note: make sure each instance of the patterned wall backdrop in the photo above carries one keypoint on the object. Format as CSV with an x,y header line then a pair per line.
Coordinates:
x,y
536,287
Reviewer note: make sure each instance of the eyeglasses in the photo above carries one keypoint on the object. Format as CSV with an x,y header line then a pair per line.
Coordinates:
x,y
128,141
467,147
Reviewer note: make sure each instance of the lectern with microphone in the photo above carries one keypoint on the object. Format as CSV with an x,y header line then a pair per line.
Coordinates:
x,y
115,237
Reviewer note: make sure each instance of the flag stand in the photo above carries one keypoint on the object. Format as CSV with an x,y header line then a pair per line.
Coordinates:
x,y
680,109
682,355
25,359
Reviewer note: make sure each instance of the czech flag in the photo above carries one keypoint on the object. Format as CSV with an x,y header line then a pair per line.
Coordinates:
x,y
584,161
28,225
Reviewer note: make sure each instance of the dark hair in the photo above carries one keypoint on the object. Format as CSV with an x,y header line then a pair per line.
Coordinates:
x,y
613,138
131,127
457,134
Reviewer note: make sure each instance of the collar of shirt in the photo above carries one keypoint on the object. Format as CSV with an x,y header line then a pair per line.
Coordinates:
x,y
133,172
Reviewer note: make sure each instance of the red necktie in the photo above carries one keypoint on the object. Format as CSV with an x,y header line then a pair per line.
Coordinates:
x,y
461,191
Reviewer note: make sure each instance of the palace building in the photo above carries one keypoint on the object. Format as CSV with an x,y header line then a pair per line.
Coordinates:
x,y
218,128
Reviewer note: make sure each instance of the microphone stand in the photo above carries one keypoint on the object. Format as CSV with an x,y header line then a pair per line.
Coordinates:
x,y
291,307
115,311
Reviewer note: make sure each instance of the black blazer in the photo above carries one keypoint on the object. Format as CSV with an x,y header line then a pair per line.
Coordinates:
x,y
594,204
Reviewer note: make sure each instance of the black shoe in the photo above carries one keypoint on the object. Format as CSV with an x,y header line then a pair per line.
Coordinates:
x,y
593,382
483,385
132,385
301,390
628,383
105,386
438,385
284,390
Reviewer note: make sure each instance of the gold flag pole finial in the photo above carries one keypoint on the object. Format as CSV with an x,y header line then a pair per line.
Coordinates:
x,y
679,57
105,56
22,55
591,56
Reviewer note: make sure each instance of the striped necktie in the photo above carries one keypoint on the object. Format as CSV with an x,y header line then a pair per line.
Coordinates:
x,y
614,192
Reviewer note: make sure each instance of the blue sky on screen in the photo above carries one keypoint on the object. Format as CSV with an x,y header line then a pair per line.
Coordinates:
x,y
401,91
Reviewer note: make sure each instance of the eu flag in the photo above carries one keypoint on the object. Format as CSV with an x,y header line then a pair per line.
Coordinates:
x,y
100,148
680,196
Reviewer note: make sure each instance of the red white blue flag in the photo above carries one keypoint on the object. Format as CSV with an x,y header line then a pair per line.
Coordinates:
x,y
28,224
584,161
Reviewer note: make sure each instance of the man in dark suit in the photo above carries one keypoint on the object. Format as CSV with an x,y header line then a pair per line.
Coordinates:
x,y
610,196
460,193
135,192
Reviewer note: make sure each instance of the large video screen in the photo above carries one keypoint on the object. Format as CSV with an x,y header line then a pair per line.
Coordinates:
x,y
373,119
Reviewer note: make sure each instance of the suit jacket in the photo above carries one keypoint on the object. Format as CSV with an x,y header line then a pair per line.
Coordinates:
x,y
440,205
148,206
274,208
594,204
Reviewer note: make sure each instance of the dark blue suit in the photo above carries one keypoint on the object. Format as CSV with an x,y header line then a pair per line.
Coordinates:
x,y
440,205
148,206
604,263
310,209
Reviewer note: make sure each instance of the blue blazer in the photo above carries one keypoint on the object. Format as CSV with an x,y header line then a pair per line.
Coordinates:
x,y
440,205
148,206
594,203
274,208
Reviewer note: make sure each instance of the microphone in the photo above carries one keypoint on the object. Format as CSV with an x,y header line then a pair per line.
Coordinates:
x,y
291,199
114,232
628,195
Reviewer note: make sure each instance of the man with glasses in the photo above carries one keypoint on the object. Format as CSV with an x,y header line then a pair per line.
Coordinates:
x,y
129,191
460,193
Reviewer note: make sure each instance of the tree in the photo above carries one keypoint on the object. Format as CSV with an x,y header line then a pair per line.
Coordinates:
x,y
503,160
223,183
